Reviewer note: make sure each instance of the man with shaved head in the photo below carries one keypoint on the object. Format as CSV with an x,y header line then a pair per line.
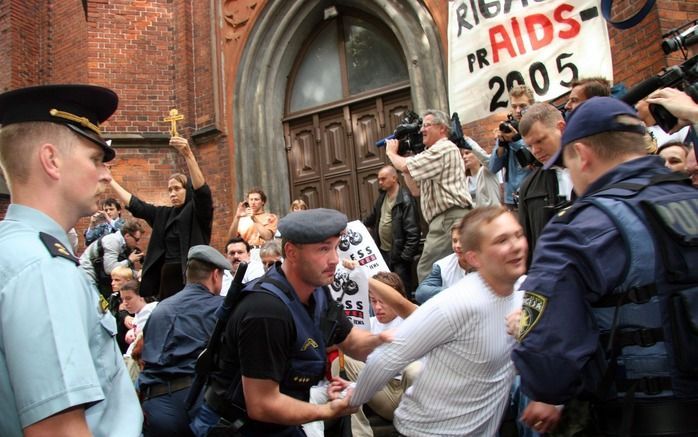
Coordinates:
x,y
394,225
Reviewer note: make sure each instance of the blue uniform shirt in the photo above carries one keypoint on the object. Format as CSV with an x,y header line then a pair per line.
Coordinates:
x,y
575,263
57,347
177,331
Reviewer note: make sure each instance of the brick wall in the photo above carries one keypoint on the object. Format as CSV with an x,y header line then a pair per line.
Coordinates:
x,y
5,44
23,30
132,50
157,55
67,36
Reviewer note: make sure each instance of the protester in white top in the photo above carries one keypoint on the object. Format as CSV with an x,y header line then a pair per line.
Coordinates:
x,y
135,304
464,386
446,271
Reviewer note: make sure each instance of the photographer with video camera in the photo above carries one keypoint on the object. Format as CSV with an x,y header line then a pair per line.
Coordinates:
x,y
679,104
685,108
437,177
510,151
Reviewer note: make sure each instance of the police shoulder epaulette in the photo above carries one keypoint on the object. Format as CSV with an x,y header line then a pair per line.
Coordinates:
x,y
56,248
566,215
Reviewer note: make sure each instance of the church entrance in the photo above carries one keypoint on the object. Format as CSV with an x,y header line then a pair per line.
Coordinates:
x,y
349,88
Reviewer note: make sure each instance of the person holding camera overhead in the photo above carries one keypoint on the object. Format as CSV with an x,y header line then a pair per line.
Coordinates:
x,y
510,150
176,228
437,177
105,221
251,222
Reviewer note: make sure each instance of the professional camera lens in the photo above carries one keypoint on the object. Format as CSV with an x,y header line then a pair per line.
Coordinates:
x,y
670,45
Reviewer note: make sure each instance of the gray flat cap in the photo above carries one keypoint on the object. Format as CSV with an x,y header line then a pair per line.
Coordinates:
x,y
209,255
312,225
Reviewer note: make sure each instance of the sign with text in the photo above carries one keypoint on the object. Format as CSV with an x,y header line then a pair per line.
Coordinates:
x,y
351,287
544,44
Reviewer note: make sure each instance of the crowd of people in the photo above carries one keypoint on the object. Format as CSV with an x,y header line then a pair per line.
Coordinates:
x,y
555,281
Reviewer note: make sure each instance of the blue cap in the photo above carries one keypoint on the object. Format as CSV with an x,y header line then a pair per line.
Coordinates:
x,y
592,117
312,225
81,108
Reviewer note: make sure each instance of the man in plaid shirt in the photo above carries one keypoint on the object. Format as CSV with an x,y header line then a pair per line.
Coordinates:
x,y
437,177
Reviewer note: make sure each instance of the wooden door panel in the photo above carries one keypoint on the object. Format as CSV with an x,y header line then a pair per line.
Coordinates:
x,y
394,111
341,194
303,157
367,131
309,193
368,191
336,150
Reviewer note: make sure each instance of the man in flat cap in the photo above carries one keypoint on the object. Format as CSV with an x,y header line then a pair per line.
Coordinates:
x,y
176,333
273,347
611,296
61,372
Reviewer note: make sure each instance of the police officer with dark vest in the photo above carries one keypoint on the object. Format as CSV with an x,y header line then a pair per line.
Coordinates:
x,y
177,331
611,307
273,347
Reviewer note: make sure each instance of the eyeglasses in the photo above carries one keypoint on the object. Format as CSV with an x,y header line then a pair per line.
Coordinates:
x,y
428,124
136,239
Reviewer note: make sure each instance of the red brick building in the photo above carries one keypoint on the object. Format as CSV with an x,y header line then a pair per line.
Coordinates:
x,y
237,70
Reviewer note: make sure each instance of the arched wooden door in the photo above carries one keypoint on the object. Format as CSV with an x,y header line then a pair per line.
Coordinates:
x,y
349,88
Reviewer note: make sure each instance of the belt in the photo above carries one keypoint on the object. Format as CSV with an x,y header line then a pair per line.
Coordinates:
x,y
155,390
660,417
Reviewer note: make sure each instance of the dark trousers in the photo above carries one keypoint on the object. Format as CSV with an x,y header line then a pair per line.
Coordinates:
x,y
171,281
165,416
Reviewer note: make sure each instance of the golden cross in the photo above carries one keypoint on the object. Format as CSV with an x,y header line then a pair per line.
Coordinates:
x,y
173,118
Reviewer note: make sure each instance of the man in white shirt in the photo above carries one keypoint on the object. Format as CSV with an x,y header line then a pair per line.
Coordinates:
x,y
236,251
464,386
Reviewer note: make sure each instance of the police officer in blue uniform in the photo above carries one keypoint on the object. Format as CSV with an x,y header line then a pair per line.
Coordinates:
x,y
177,331
612,294
273,347
61,372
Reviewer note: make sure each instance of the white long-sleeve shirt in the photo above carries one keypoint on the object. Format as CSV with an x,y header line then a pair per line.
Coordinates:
x,y
468,372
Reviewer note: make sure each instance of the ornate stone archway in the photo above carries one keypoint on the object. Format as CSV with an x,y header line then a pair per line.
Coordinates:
x,y
271,48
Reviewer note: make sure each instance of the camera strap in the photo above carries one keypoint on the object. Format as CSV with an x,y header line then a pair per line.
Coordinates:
x,y
607,5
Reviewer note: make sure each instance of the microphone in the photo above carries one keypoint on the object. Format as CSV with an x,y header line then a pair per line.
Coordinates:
x,y
642,89
381,143
670,77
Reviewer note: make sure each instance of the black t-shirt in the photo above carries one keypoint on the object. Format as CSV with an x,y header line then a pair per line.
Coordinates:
x,y
259,337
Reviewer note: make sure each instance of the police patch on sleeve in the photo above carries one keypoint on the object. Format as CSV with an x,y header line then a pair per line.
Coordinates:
x,y
309,343
533,307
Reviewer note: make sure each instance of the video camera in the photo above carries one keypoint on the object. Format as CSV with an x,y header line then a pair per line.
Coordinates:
x,y
408,133
683,77
680,38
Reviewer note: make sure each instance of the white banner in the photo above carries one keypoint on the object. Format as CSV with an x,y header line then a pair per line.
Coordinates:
x,y
545,44
351,287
